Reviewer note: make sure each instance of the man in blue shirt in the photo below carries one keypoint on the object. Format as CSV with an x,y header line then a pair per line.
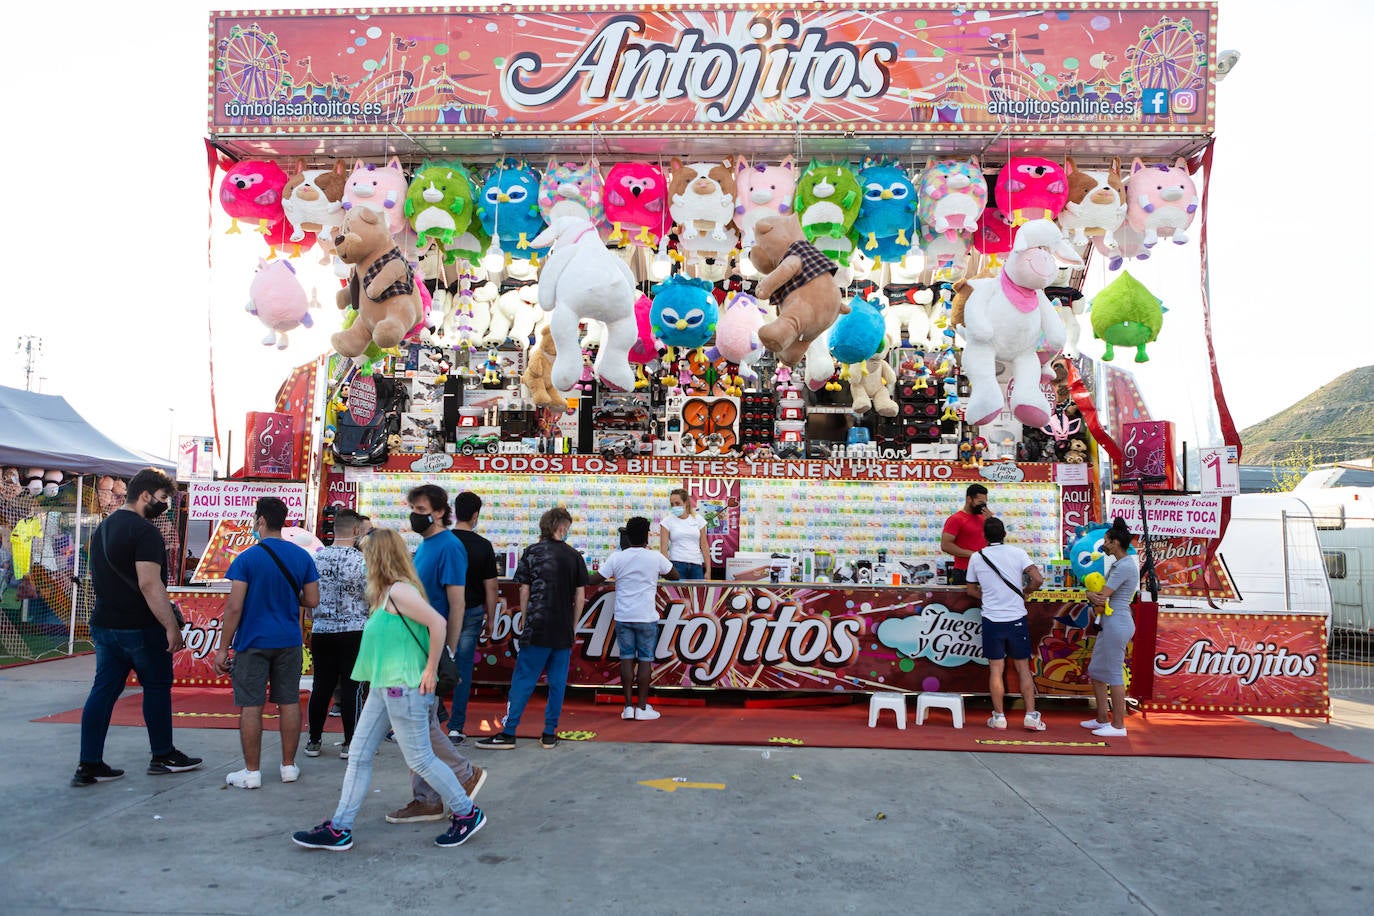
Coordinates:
x,y
269,584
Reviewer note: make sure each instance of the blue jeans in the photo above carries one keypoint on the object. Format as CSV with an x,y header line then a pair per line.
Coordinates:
x,y
532,662
408,711
117,652
473,618
689,570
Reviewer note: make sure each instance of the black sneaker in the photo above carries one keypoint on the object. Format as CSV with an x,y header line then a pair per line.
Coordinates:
x,y
335,712
461,829
547,740
456,737
88,774
497,742
325,836
173,762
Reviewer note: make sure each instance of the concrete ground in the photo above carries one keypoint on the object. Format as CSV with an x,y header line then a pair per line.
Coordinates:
x,y
571,831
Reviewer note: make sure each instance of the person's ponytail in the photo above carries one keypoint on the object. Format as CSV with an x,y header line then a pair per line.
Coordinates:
x,y
1119,533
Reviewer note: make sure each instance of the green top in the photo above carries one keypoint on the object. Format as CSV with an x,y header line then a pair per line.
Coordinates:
x,y
391,654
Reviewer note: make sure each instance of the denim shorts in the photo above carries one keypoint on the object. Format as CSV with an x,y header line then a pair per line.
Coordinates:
x,y
1000,640
254,668
637,640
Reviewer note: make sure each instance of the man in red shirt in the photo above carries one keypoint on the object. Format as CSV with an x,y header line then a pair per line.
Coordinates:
x,y
963,533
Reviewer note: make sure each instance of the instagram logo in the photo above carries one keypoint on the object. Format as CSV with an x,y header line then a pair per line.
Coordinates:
x,y
1183,101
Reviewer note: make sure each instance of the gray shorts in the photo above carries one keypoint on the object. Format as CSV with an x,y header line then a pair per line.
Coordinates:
x,y
254,668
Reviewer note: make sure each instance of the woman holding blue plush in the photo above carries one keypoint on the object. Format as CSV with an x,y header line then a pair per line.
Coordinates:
x,y
1113,602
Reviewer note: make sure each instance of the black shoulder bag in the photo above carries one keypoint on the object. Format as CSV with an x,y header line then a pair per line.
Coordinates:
x,y
284,571
129,580
446,677
1020,594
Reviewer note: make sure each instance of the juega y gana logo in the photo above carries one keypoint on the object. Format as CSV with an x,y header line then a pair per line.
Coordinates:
x,y
777,63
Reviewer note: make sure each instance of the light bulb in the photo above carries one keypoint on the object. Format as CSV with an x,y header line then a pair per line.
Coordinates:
x,y
495,259
662,265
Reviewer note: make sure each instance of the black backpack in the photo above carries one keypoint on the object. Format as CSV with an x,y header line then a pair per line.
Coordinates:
x,y
361,444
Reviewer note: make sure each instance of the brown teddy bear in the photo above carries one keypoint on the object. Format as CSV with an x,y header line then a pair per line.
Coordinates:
x,y
537,376
800,283
381,285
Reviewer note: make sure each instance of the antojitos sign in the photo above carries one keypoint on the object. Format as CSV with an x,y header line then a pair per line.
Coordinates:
x,y
622,66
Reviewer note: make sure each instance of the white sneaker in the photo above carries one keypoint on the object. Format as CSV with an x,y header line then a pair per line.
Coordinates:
x,y
1110,731
627,713
1092,724
646,714
245,779
289,773
997,720
1033,723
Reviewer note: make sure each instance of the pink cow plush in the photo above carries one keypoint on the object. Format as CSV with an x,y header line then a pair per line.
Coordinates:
x,y
1029,187
762,190
382,188
1161,201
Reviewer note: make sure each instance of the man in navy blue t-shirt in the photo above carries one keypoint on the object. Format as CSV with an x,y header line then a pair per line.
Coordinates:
x,y
269,584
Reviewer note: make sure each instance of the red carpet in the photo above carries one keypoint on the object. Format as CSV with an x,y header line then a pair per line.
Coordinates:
x,y
1158,735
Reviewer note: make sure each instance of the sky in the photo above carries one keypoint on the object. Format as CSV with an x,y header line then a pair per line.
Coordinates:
x,y
105,160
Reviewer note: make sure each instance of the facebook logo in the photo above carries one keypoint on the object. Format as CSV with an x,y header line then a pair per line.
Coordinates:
x,y
1154,101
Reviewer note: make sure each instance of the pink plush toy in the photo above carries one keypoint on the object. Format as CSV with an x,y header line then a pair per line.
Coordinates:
x,y
382,188
737,333
1161,200
1029,187
571,189
995,233
278,299
762,190
646,346
950,197
284,238
252,190
637,203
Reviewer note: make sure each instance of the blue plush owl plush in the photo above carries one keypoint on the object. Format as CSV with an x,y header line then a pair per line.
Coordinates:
x,y
684,313
1085,553
885,225
508,208
860,334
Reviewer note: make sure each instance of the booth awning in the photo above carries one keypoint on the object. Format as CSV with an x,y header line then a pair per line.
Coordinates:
x,y
44,431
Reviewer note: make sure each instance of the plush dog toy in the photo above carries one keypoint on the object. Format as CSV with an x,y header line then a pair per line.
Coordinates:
x,y
582,279
313,200
799,280
381,285
1096,206
1010,319
537,373
701,198
871,386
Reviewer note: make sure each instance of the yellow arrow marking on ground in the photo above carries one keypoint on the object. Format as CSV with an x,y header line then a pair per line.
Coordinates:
x,y
1043,743
672,785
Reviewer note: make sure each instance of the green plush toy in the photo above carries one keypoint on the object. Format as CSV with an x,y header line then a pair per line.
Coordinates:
x,y
1126,314
827,202
439,202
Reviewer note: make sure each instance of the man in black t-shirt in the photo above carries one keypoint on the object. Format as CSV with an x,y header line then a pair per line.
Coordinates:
x,y
133,628
479,600
553,585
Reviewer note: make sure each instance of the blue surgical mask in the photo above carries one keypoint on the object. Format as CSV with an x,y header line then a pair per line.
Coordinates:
x,y
679,511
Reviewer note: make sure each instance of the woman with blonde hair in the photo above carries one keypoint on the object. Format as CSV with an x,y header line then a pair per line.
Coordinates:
x,y
399,656
682,536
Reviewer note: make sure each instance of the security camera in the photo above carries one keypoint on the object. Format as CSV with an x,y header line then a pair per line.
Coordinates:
x,y
1226,62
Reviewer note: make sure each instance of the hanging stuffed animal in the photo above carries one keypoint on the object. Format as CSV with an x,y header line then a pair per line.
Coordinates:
x,y
1126,314
1096,206
646,345
381,287
573,190
508,208
252,190
1009,319
582,279
737,336
313,200
1069,304
762,190
280,239
951,197
820,365
536,376
382,188
871,387
885,227
798,282
860,334
1029,187
279,301
1161,200
828,201
701,199
438,204
684,312
637,203
907,319
995,235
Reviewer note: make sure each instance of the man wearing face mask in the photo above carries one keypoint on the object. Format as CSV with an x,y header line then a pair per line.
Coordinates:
x,y
269,583
963,532
133,628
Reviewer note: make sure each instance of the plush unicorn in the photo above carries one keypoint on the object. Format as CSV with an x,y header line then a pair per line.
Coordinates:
x,y
762,190
382,188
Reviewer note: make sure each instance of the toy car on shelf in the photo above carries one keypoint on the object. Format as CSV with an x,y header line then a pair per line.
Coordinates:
x,y
620,414
618,446
471,445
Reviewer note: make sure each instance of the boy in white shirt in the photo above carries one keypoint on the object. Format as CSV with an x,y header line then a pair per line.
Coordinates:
x,y
636,571
997,575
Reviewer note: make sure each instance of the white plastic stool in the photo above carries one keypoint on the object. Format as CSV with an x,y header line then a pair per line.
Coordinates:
x,y
954,702
893,701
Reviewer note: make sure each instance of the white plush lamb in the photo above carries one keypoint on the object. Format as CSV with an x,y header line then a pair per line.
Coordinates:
x,y
582,279
1008,318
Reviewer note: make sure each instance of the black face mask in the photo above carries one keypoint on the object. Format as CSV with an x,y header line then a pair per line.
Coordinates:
x,y
154,510
420,523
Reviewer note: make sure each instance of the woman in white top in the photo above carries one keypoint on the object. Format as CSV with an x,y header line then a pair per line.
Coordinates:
x,y
682,537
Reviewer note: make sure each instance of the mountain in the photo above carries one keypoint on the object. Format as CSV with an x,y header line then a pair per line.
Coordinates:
x,y
1334,423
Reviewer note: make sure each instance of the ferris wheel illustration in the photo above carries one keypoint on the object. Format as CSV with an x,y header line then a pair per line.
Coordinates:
x,y
1170,55
251,67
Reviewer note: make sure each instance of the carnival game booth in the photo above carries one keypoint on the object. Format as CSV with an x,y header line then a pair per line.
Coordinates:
x,y
564,241
59,476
